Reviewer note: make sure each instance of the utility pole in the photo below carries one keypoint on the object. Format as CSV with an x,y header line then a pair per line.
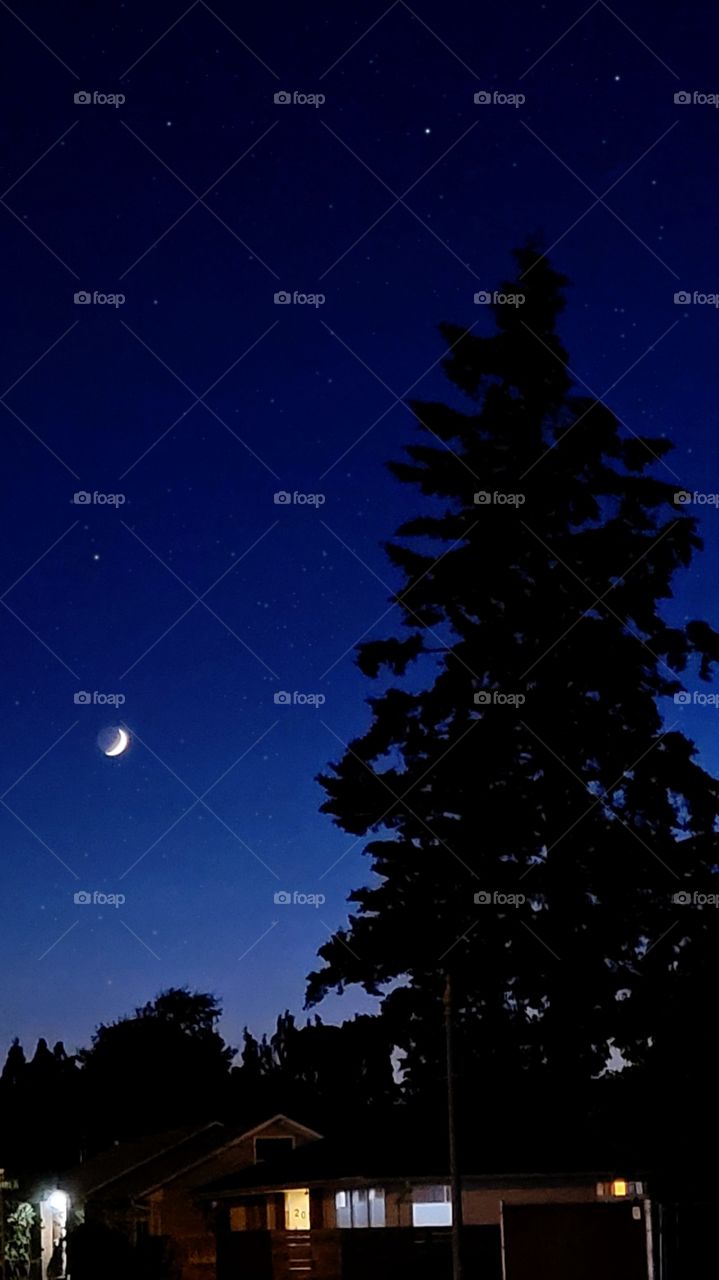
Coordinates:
x,y
456,1185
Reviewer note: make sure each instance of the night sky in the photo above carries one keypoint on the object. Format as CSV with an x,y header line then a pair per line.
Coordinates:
x,y
198,398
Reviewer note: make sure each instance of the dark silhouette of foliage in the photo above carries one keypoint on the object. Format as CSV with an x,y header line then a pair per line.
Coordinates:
x,y
165,1066
580,798
319,1072
28,1091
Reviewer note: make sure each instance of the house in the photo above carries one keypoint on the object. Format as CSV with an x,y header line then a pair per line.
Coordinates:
x,y
141,1196
381,1207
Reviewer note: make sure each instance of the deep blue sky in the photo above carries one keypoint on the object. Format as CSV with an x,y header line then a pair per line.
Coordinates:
x,y
302,584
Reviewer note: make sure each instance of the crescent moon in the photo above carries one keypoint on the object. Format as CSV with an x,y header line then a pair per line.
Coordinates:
x,y
120,745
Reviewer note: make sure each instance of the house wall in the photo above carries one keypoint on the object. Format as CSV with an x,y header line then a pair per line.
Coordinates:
x,y
176,1213
191,1229
480,1207
253,1243
483,1208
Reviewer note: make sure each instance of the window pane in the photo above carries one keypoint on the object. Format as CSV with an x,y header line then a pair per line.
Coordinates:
x,y
431,1215
431,1207
376,1207
360,1208
342,1209
360,1212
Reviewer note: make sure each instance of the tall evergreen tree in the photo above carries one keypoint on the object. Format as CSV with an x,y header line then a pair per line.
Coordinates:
x,y
517,745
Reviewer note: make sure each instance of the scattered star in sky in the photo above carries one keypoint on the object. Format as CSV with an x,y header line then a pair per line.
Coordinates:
x,y
300,201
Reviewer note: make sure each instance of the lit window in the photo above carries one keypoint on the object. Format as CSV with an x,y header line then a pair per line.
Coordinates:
x,y
342,1209
360,1208
431,1207
620,1189
376,1207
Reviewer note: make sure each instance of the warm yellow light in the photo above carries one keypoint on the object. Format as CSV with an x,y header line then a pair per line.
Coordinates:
x,y
619,1187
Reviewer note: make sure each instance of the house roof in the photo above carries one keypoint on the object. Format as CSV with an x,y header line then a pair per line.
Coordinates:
x,y
404,1153
133,1170
224,1161
91,1176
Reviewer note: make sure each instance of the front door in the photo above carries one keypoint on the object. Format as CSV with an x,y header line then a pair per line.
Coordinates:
x,y
297,1210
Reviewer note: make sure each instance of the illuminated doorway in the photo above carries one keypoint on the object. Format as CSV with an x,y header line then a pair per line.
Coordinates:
x,y
53,1222
297,1210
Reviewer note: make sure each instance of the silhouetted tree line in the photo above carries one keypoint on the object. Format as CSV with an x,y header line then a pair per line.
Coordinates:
x,y
167,1066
